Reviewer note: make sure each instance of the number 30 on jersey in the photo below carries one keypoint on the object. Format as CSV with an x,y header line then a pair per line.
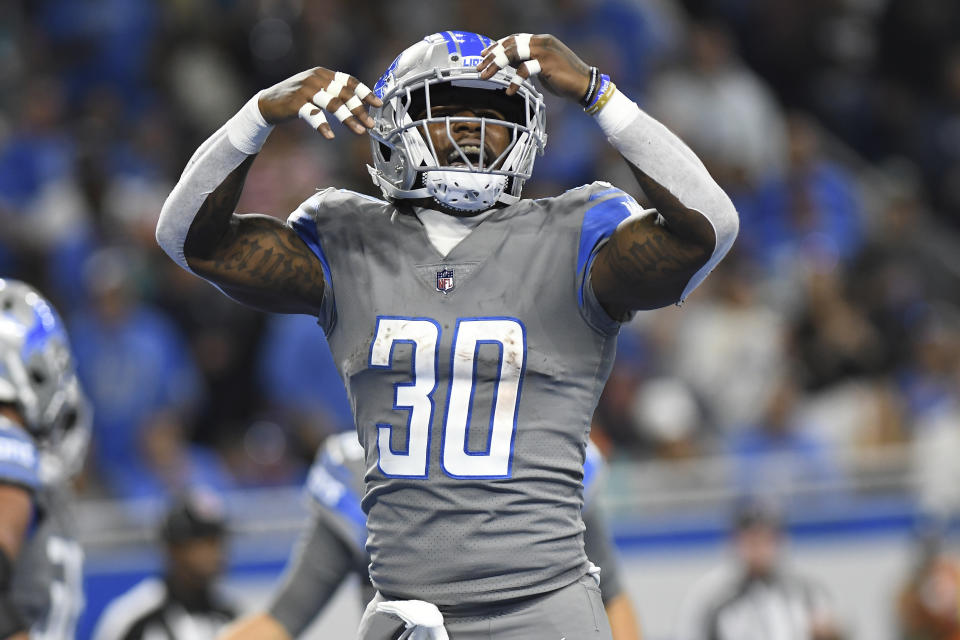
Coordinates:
x,y
417,396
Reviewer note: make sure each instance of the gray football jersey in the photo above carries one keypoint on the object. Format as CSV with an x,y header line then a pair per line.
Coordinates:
x,y
473,378
48,574
47,584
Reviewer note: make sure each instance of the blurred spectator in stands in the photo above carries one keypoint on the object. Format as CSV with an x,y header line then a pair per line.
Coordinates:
x,y
624,39
615,431
939,139
934,402
757,597
929,379
668,418
730,328
779,456
810,211
722,109
266,454
300,380
185,602
102,43
928,605
43,212
832,340
908,263
143,385
223,339
293,167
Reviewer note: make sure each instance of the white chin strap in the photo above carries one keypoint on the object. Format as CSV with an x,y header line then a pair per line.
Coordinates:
x,y
465,191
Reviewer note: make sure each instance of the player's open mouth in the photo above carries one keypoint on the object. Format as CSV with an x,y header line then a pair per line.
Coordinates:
x,y
471,152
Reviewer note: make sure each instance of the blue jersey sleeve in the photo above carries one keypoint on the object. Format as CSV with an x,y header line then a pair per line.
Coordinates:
x,y
328,487
19,459
304,223
606,210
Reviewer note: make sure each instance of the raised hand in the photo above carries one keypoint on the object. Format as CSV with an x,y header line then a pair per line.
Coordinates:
x,y
311,92
561,71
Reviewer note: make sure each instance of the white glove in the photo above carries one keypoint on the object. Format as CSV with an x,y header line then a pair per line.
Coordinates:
x,y
423,620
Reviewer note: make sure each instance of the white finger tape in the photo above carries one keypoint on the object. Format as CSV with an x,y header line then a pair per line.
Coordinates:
x,y
340,80
362,91
523,45
342,113
500,56
353,103
532,68
322,98
313,119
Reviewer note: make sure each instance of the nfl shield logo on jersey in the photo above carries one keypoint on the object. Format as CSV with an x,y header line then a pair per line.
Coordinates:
x,y
445,280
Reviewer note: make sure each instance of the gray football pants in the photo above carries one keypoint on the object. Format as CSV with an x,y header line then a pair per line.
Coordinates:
x,y
574,612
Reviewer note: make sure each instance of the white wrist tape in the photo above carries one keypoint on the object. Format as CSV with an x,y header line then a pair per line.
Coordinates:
x,y
660,154
619,112
242,136
247,130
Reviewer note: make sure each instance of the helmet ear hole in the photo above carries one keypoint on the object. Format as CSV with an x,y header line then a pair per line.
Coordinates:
x,y
385,152
69,420
37,376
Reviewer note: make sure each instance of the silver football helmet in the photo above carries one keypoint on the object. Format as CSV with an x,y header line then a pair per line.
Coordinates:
x,y
37,376
405,161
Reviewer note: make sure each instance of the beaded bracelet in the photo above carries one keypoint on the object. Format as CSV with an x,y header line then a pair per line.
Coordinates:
x,y
594,74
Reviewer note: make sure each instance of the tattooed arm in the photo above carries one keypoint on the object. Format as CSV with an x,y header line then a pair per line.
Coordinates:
x,y
648,262
255,259
652,261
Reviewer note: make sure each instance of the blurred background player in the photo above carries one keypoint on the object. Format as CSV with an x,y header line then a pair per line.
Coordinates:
x,y
185,603
757,597
44,432
333,548
928,605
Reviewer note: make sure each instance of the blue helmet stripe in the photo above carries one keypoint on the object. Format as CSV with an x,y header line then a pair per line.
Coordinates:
x,y
46,326
466,44
380,88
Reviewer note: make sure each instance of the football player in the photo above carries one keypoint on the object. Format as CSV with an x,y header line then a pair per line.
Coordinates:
x,y
332,549
474,330
44,433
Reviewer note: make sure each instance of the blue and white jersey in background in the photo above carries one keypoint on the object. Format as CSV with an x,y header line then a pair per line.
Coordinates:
x,y
47,584
335,484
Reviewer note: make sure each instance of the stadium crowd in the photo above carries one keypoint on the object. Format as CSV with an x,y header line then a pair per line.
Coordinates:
x,y
832,327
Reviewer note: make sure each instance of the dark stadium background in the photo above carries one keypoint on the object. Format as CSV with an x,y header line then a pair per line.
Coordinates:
x,y
818,367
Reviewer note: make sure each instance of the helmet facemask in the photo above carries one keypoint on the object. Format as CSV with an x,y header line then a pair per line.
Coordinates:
x,y
406,160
